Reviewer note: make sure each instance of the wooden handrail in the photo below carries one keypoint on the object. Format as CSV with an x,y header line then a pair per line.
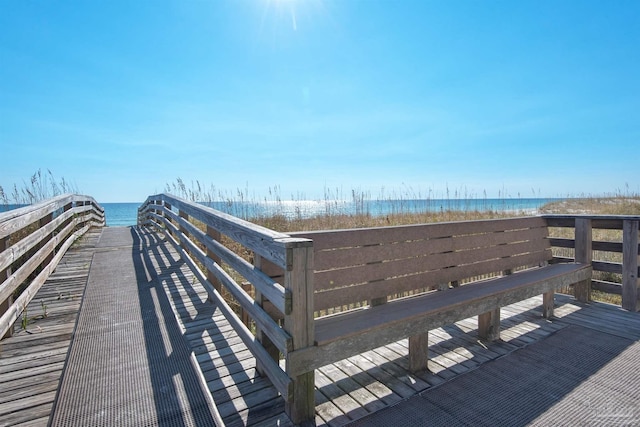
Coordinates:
x,y
35,238
196,231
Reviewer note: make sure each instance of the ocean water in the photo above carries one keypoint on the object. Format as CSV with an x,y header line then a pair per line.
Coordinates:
x,y
121,214
125,214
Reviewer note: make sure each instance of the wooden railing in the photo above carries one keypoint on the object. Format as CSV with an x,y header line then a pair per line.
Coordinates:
x,y
609,243
210,242
270,276
33,239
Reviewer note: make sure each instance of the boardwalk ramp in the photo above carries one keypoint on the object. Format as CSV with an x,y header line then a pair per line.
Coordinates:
x,y
129,363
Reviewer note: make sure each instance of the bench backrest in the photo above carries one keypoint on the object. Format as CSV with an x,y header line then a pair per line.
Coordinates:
x,y
354,267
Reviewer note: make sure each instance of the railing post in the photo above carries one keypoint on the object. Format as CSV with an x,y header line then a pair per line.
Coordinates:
x,y
67,208
167,206
584,255
4,275
298,278
215,235
41,223
630,265
185,217
158,226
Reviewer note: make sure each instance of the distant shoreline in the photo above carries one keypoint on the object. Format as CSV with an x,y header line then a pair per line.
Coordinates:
x,y
123,214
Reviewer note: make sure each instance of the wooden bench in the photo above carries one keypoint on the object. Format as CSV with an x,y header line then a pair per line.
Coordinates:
x,y
453,271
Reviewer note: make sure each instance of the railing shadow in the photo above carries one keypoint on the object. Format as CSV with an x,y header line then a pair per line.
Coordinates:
x,y
179,397
395,374
232,374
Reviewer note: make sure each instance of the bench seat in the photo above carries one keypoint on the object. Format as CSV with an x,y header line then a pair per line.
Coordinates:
x,y
349,333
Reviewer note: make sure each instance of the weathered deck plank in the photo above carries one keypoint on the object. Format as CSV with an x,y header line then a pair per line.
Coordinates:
x,y
129,364
31,361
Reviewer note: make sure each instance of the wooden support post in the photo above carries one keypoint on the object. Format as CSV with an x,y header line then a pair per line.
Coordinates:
x,y
183,230
244,315
489,325
67,208
4,275
158,226
298,278
167,206
418,352
630,290
378,301
215,235
584,255
548,302
41,223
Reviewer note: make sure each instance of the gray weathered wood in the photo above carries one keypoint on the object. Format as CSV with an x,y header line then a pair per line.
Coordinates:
x,y
23,272
489,325
215,236
428,279
256,238
337,258
418,352
4,275
300,325
460,258
20,248
548,304
279,379
263,338
274,291
343,335
7,320
278,336
379,235
630,292
16,219
584,255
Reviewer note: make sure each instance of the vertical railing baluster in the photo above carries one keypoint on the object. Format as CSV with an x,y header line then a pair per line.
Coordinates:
x,y
630,265
583,254
215,235
4,275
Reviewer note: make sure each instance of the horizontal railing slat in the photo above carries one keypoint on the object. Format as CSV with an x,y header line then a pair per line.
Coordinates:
x,y
428,279
51,224
277,335
22,273
272,290
16,219
278,377
362,254
456,260
607,287
259,239
331,239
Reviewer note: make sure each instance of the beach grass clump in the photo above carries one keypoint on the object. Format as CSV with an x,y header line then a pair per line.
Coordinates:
x,y
40,186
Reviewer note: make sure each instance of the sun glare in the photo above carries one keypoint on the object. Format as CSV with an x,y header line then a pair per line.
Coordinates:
x,y
288,12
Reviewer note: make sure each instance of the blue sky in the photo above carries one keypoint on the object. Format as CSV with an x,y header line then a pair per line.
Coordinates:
x,y
529,98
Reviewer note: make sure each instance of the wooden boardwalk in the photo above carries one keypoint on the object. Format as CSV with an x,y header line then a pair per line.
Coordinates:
x,y
31,362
